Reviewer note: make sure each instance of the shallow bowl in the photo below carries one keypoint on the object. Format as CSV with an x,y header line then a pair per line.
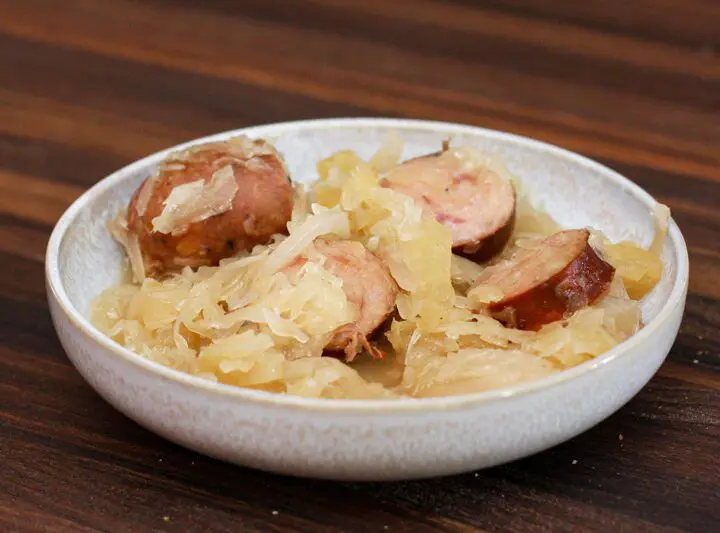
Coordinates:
x,y
370,439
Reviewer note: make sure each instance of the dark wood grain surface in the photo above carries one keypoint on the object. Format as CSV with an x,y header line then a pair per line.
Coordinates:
x,y
87,86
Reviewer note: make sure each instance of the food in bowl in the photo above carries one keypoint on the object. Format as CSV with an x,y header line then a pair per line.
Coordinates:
x,y
205,202
381,279
473,201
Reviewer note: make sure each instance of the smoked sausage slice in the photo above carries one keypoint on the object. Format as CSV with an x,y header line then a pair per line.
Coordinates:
x,y
369,287
547,282
470,199
208,202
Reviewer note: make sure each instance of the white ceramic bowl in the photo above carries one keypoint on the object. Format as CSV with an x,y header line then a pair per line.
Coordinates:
x,y
371,439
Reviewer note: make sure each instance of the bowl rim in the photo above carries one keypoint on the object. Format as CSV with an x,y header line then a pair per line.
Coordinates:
x,y
57,291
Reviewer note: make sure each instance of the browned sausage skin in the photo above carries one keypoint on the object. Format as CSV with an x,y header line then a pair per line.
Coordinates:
x,y
473,201
369,287
259,204
548,282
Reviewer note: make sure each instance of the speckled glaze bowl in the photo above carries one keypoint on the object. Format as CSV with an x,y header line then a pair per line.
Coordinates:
x,y
370,439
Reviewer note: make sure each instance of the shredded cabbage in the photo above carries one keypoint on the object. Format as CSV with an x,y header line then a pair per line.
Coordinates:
x,y
416,249
197,201
258,320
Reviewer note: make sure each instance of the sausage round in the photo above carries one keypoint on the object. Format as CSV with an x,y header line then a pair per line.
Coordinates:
x,y
369,287
473,201
261,206
548,282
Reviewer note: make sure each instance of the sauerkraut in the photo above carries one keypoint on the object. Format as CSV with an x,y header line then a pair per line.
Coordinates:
x,y
253,322
195,201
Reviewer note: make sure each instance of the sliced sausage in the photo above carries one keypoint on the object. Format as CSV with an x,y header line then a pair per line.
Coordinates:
x,y
473,201
248,198
369,287
547,282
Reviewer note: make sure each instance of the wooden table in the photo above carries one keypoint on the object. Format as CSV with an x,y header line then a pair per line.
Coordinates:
x,y
87,86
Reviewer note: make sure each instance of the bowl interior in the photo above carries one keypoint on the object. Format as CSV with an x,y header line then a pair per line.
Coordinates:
x,y
574,190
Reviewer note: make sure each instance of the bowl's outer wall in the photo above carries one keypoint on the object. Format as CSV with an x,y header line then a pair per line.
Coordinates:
x,y
384,444
369,446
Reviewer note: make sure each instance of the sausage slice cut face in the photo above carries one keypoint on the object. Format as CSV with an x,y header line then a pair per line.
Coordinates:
x,y
208,202
470,199
548,282
369,287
